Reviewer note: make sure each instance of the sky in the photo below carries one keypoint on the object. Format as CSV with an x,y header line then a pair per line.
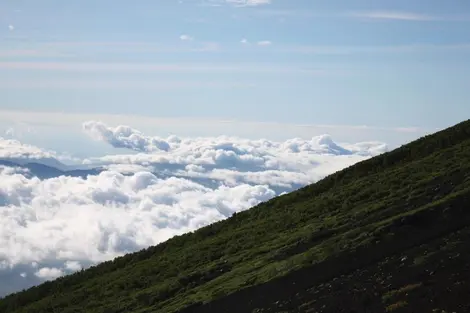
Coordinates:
x,y
198,109
388,64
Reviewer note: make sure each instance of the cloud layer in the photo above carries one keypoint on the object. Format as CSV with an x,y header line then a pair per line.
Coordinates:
x,y
160,188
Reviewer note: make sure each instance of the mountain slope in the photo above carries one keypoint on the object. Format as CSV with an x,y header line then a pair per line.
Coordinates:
x,y
361,240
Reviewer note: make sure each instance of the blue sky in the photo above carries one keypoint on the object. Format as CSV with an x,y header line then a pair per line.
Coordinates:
x,y
375,63
73,74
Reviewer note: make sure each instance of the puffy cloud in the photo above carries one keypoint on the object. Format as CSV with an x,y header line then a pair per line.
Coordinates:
x,y
166,186
124,137
231,160
13,149
73,266
47,273
64,223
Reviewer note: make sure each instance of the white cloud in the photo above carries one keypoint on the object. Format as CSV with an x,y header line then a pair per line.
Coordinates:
x,y
73,266
47,273
20,153
186,38
381,49
157,68
11,148
11,27
264,43
284,13
248,2
125,137
293,162
395,15
59,225
244,41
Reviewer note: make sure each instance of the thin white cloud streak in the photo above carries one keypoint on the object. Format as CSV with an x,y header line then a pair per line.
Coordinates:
x,y
156,68
146,46
390,15
68,50
61,119
406,16
73,84
113,44
394,15
385,49
143,47
264,43
7,53
215,47
272,13
237,3
186,38
48,124
116,47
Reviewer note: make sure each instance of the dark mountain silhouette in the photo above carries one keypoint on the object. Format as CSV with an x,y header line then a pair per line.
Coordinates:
x,y
50,162
43,171
389,234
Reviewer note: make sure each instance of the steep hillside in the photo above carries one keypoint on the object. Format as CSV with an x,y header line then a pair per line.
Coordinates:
x,y
389,234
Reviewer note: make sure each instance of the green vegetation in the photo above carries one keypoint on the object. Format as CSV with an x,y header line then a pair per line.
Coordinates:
x,y
341,238
403,290
394,307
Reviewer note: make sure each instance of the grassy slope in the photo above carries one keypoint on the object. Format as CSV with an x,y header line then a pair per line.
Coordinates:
x,y
269,258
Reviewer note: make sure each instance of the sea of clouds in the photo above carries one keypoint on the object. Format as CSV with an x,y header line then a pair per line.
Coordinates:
x,y
156,189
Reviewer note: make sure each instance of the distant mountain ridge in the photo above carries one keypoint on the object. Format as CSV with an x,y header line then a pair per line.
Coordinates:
x,y
50,162
44,171
389,234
